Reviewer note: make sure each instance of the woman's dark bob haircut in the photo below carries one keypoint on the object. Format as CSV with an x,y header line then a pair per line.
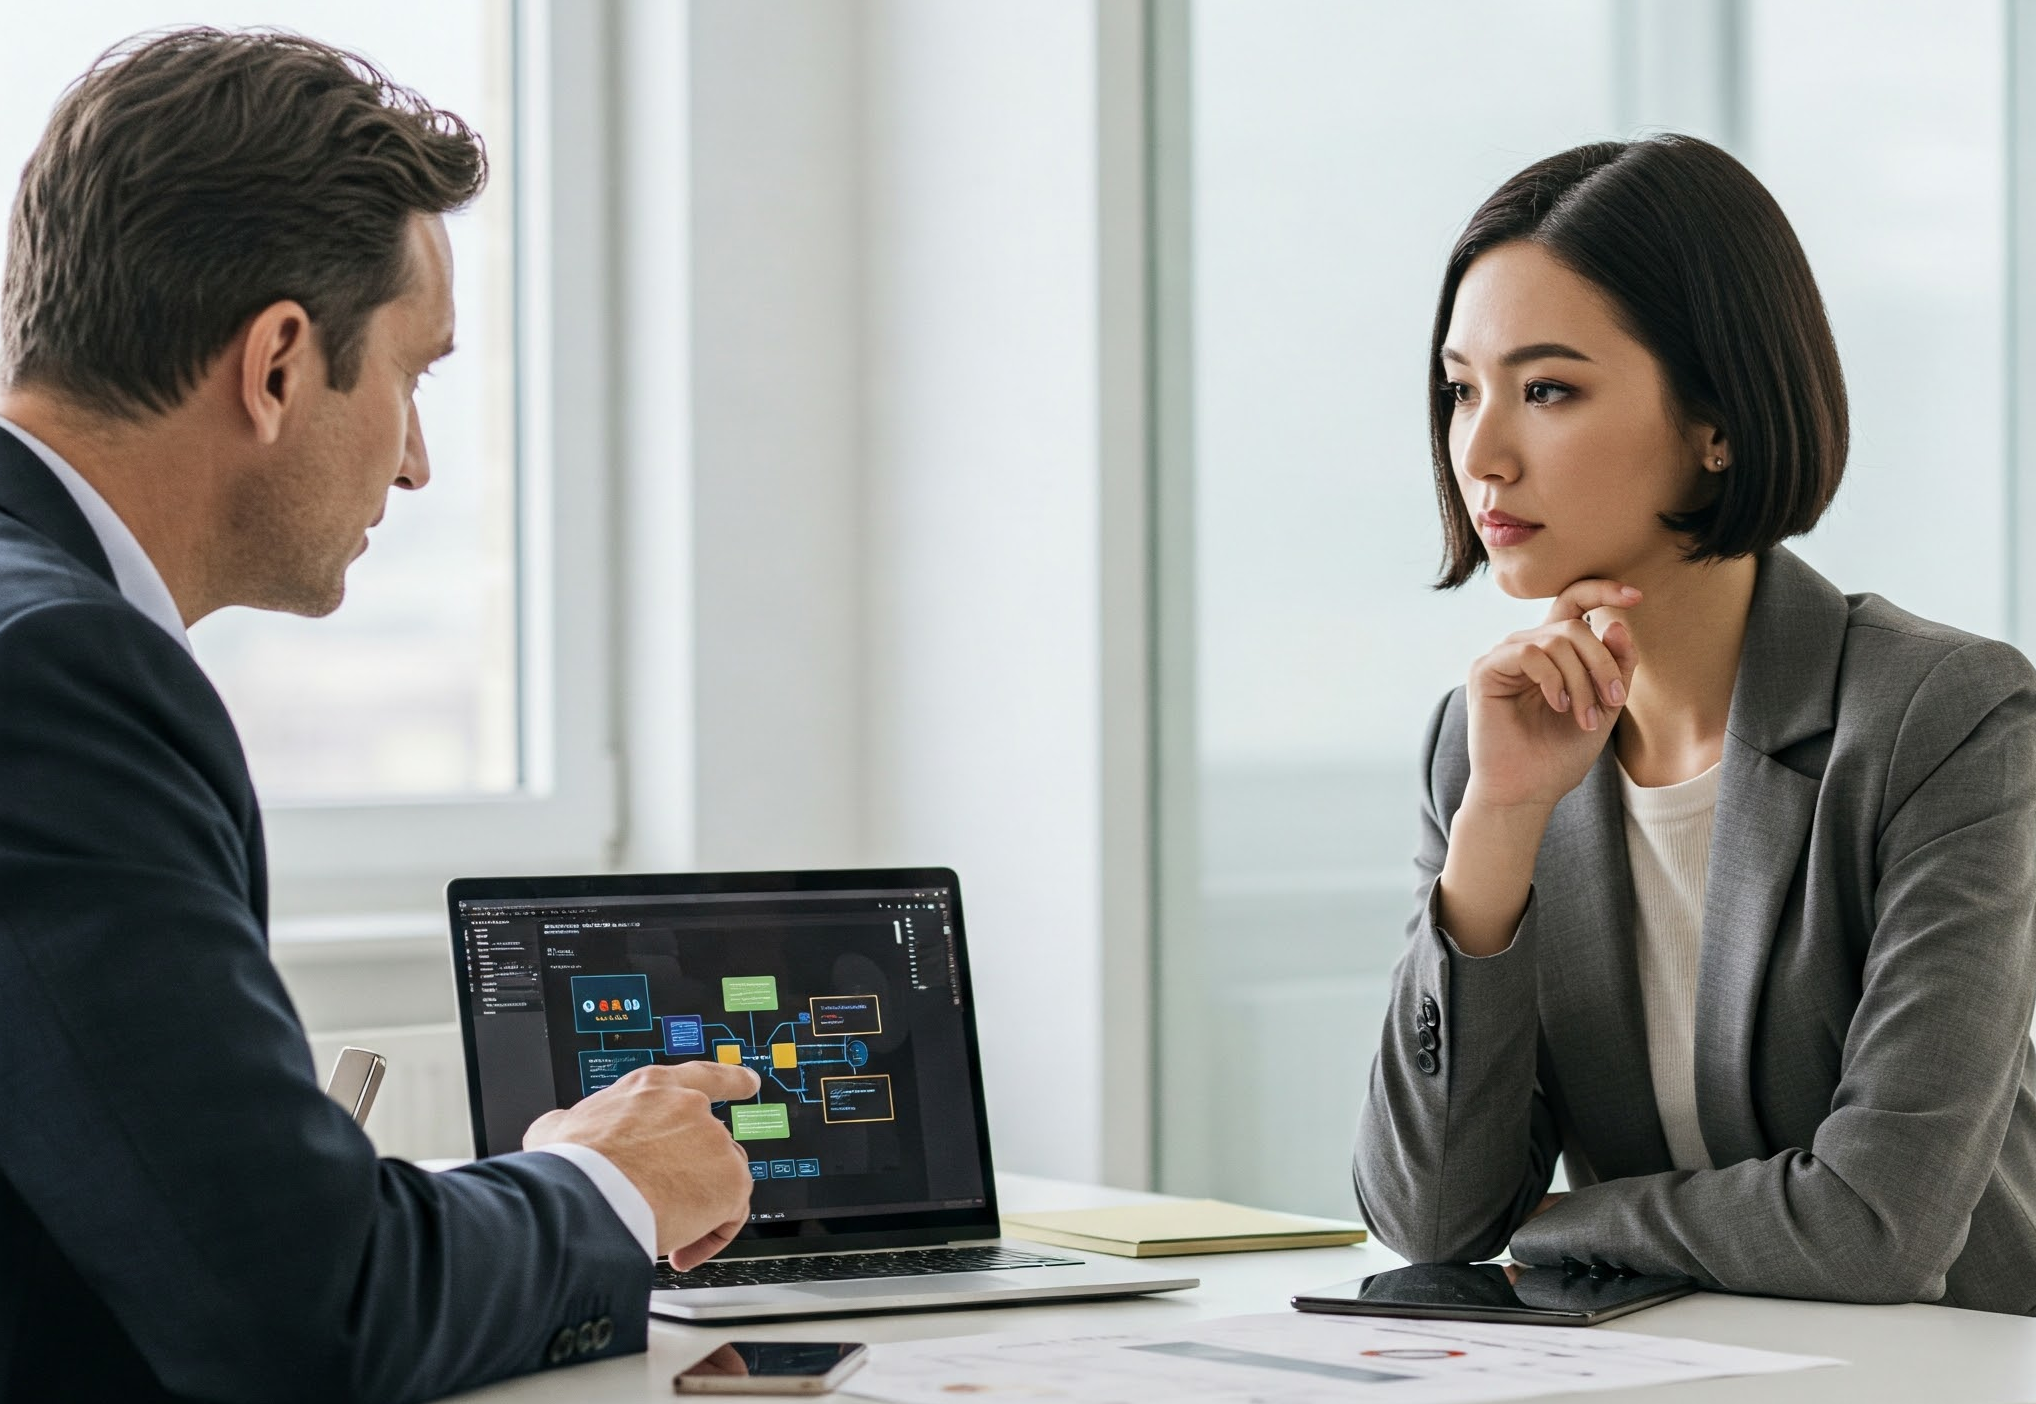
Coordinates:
x,y
1707,274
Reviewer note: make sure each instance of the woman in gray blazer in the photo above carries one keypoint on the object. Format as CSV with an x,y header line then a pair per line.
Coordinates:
x,y
1761,969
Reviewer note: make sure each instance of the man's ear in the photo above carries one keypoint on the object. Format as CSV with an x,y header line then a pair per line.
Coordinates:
x,y
278,356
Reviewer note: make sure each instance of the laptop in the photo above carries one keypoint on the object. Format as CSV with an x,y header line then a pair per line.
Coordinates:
x,y
848,993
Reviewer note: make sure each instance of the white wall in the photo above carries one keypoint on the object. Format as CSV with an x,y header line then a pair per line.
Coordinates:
x,y
898,478
777,524
982,510
653,583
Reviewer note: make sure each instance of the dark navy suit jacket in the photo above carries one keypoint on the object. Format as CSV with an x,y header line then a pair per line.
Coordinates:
x,y
183,1212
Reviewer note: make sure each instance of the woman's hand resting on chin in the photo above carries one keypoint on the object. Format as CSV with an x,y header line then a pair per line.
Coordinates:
x,y
1542,703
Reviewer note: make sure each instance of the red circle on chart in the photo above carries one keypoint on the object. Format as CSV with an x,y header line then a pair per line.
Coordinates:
x,y
1415,1354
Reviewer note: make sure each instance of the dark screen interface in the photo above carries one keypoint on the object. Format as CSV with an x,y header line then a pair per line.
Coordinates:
x,y
846,1004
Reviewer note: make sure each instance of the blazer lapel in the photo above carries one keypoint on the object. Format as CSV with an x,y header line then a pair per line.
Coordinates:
x,y
1788,668
31,494
1589,979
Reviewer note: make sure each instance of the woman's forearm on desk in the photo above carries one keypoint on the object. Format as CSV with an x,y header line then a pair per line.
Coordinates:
x,y
1879,1204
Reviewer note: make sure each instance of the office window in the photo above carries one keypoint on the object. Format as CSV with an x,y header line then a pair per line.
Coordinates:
x,y
1333,151
1889,155
453,714
411,688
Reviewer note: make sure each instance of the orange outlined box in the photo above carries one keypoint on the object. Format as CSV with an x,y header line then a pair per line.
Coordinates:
x,y
846,1016
866,1098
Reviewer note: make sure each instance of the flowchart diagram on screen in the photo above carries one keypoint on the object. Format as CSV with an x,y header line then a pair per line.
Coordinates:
x,y
813,1056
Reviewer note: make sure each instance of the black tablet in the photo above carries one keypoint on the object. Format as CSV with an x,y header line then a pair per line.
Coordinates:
x,y
1544,1296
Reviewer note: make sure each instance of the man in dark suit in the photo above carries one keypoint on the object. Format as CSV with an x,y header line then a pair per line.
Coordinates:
x,y
225,271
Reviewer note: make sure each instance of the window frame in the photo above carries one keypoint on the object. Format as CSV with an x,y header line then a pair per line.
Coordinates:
x,y
378,855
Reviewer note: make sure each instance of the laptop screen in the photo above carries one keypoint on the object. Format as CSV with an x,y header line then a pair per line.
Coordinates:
x,y
847,994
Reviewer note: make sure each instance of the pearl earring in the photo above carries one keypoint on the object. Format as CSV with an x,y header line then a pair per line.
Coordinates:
x,y
1719,462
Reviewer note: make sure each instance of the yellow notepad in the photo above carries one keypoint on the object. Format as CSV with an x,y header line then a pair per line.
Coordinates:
x,y
1173,1227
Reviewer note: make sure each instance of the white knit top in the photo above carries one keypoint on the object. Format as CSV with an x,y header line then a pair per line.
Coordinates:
x,y
1668,846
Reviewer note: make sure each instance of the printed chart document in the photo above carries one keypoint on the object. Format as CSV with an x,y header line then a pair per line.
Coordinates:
x,y
1300,1359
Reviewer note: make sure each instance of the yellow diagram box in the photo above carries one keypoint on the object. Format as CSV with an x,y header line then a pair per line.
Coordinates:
x,y
728,1052
784,1055
865,1097
846,1016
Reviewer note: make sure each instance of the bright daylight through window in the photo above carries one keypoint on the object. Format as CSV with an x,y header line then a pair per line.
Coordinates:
x,y
1320,221
410,690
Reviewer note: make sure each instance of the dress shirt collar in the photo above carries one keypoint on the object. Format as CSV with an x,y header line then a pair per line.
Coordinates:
x,y
136,575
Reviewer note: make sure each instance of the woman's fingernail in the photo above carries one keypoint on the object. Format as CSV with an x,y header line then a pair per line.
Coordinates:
x,y
1562,700
1629,592
1616,693
1591,719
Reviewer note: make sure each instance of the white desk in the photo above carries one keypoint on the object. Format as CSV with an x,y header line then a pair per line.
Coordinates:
x,y
1897,1353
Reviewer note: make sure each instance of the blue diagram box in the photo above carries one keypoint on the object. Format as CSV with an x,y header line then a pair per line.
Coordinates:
x,y
683,1035
759,1169
808,1169
611,1003
784,1169
600,1067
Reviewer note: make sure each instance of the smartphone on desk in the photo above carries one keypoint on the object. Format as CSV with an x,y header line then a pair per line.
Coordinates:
x,y
771,1367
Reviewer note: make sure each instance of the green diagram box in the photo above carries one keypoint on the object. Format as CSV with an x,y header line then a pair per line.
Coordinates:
x,y
740,992
759,1121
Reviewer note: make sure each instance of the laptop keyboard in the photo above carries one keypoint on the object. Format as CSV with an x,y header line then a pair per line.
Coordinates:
x,y
843,1267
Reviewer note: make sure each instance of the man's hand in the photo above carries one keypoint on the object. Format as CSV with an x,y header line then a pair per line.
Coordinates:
x,y
655,1125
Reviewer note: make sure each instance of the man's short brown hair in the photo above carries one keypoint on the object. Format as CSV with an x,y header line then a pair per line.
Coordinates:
x,y
193,178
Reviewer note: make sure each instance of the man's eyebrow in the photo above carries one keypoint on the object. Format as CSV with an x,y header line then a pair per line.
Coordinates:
x,y
1521,355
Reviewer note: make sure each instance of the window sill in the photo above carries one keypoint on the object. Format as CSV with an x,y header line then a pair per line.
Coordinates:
x,y
358,936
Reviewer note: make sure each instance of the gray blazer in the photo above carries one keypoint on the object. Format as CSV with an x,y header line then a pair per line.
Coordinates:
x,y
1864,1075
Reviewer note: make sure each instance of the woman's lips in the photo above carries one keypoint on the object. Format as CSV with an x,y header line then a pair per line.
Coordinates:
x,y
1503,529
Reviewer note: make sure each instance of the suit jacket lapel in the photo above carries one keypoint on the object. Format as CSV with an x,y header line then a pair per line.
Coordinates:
x,y
1788,669
31,494
1589,979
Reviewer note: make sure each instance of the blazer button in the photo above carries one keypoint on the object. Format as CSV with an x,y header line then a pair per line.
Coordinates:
x,y
1425,1061
561,1346
604,1332
584,1337
1430,1015
1429,1042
